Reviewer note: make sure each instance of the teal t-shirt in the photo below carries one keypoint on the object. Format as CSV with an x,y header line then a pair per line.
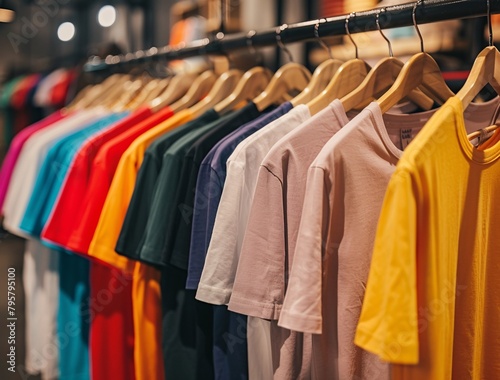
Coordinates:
x,y
55,167
73,317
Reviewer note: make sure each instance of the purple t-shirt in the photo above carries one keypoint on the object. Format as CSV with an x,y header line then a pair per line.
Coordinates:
x,y
211,178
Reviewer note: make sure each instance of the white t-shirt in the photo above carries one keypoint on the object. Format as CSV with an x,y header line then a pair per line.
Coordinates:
x,y
31,158
269,241
41,289
223,252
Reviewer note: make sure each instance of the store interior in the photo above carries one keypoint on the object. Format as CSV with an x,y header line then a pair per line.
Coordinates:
x,y
56,52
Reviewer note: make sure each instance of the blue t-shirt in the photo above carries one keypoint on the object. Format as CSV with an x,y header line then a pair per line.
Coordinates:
x,y
229,329
209,185
53,171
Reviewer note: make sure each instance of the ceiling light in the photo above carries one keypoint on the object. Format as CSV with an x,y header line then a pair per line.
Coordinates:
x,y
66,31
107,16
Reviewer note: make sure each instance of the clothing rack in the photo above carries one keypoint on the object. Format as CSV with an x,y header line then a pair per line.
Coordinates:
x,y
427,11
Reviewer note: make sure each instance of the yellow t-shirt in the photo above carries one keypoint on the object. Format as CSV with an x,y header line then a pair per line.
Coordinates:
x,y
432,300
146,301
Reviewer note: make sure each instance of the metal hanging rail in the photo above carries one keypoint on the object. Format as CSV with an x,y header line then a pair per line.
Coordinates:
x,y
394,16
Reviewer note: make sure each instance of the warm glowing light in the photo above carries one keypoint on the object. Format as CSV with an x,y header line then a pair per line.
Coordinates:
x,y
107,16
66,31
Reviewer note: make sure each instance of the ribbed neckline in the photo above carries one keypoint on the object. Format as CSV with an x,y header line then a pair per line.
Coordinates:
x,y
485,156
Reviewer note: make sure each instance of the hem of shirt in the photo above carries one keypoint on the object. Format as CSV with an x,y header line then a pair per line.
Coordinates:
x,y
76,245
16,231
257,309
300,323
148,255
179,262
45,240
212,295
192,283
122,251
49,238
394,352
125,265
28,230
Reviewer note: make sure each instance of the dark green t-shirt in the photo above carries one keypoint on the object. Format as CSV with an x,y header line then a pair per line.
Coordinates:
x,y
138,211
180,165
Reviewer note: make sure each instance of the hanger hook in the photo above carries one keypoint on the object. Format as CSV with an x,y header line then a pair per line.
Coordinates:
x,y
391,54
352,14
280,42
250,35
414,17
320,41
490,31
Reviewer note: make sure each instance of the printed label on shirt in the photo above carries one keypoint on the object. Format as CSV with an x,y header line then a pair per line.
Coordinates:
x,y
406,137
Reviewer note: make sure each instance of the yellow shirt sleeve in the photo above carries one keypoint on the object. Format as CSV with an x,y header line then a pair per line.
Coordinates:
x,y
388,325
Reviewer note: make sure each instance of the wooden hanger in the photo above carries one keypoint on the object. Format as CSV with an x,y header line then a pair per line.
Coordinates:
x,y
319,80
198,89
490,140
380,78
149,92
486,69
110,90
130,93
222,88
97,92
348,77
322,75
292,76
251,84
178,87
420,71
80,96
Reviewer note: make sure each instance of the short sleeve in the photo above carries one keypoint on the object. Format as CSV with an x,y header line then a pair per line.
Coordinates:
x,y
133,227
106,234
217,278
260,277
207,197
302,308
388,325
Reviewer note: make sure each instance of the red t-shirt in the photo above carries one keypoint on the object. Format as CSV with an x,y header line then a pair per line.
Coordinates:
x,y
62,221
79,206
103,169
60,89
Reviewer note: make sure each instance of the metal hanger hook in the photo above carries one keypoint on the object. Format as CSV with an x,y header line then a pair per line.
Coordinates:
x,y
320,41
349,33
250,35
414,17
280,42
490,31
391,54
